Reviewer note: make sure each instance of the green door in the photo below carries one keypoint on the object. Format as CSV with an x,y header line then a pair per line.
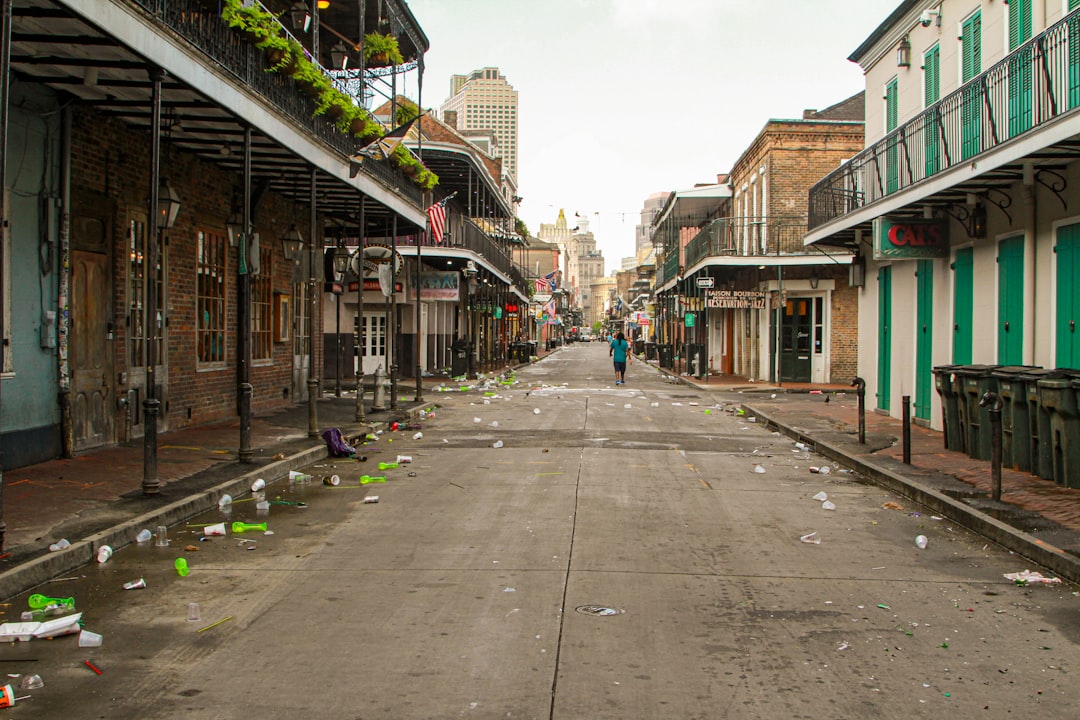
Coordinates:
x,y
924,340
1011,301
1020,67
971,102
1067,339
963,305
795,337
931,94
884,337
892,160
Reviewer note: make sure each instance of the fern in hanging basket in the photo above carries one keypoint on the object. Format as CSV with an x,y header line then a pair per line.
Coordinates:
x,y
251,20
381,50
311,78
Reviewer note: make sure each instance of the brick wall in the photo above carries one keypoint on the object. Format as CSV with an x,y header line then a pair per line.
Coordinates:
x,y
111,158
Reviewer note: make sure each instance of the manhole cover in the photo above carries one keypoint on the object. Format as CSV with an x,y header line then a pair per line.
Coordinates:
x,y
599,610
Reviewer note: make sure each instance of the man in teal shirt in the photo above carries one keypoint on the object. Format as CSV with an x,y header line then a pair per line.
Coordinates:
x,y
617,351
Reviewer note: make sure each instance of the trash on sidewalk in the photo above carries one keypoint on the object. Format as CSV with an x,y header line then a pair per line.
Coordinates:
x,y
135,584
1031,577
239,527
365,479
811,538
828,505
824,469
104,553
89,639
40,602
225,500
143,536
418,436
91,665
921,542
892,506
61,544
214,530
181,567
759,469
497,444
336,445
299,478
25,631
404,459
258,485
31,682
820,497
371,499
331,480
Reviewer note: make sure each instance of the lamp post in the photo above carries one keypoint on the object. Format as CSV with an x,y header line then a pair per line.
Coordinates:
x,y
312,381
357,262
470,278
341,263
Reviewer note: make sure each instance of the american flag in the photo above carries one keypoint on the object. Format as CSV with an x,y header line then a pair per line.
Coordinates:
x,y
546,283
437,217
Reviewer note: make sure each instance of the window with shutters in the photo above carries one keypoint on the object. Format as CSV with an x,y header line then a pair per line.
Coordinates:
x,y
262,310
931,94
972,101
1020,66
892,178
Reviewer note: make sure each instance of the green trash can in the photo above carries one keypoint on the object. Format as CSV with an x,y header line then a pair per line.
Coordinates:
x,y
1058,396
977,380
667,356
948,387
1040,454
1015,421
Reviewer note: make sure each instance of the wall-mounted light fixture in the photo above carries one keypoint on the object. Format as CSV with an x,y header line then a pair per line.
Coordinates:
x,y
300,17
339,56
291,242
903,53
814,280
976,226
168,205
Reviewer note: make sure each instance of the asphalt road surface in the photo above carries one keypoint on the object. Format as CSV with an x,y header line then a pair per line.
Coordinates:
x,y
629,552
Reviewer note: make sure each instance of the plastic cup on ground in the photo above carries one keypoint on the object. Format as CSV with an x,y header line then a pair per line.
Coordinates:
x,y
161,536
61,544
104,553
211,530
7,696
143,536
258,485
135,584
921,542
89,639
332,480
193,612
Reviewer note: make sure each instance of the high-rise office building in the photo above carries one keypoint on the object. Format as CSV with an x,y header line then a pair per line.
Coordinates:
x,y
485,100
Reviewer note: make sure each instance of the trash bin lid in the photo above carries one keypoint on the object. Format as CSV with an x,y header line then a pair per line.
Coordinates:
x,y
1014,372
976,370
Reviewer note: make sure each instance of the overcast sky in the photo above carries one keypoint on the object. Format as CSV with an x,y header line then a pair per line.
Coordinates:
x,y
619,99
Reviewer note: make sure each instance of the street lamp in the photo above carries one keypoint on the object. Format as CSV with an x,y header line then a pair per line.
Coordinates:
x,y
341,262
291,243
470,276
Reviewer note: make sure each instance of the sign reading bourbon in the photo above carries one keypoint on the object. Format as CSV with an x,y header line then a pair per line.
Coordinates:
x,y
902,237
735,299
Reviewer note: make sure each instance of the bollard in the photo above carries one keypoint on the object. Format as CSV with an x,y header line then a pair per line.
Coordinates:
x,y
906,402
860,389
378,399
992,401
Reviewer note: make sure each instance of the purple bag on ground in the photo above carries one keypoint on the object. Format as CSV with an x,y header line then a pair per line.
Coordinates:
x,y
335,443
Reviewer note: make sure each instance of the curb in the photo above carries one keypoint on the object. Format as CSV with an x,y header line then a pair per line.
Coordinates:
x,y
38,570
1022,543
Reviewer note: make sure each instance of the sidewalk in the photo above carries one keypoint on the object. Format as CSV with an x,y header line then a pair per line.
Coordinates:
x,y
1036,518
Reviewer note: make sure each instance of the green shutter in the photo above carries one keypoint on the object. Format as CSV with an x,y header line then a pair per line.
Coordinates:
x,y
1011,301
1020,67
931,94
884,379
971,104
1067,252
963,305
892,179
924,338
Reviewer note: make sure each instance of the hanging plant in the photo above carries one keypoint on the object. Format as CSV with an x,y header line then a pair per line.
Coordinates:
x,y
333,104
312,79
381,50
406,110
251,20
283,54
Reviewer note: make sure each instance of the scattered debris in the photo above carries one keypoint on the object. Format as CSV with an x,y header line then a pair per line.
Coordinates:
x,y
811,538
892,506
921,541
1030,577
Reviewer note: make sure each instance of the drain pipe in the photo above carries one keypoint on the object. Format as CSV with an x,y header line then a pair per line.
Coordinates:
x,y
63,289
1030,216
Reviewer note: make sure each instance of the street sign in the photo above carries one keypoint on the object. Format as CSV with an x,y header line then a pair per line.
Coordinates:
x,y
735,299
705,282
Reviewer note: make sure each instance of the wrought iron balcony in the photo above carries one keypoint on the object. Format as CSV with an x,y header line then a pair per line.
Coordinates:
x,y
747,237
1036,84
199,23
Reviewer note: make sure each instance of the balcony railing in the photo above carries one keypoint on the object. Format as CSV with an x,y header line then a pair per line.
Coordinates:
x,y
1035,84
199,23
747,237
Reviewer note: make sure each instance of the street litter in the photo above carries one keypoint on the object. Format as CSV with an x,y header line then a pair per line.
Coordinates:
x,y
213,625
104,553
627,406
494,423
921,541
1029,577
212,530
759,469
843,646
404,459
828,505
258,485
497,444
25,631
239,527
143,536
89,639
820,497
892,506
40,602
370,499
476,420
91,665
536,411
61,544
418,436
336,445
365,479
225,500
299,478
181,567
135,584
811,538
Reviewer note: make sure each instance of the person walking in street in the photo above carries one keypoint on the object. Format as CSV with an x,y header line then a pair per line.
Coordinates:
x,y
618,351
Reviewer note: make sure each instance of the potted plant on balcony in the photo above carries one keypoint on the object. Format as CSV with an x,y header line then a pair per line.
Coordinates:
x,y
406,110
283,54
381,50
333,104
250,20
311,78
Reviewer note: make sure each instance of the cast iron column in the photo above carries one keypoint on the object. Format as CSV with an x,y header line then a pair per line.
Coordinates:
x,y
151,485
312,382
245,390
361,339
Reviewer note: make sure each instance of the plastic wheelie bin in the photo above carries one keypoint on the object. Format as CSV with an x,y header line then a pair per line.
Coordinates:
x,y
667,356
1058,396
949,388
1040,454
1015,420
976,381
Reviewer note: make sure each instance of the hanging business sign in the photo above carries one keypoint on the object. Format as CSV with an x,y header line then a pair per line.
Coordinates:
x,y
904,237
736,299
438,285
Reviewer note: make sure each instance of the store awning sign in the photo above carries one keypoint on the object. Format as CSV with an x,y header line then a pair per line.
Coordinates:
x,y
906,237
